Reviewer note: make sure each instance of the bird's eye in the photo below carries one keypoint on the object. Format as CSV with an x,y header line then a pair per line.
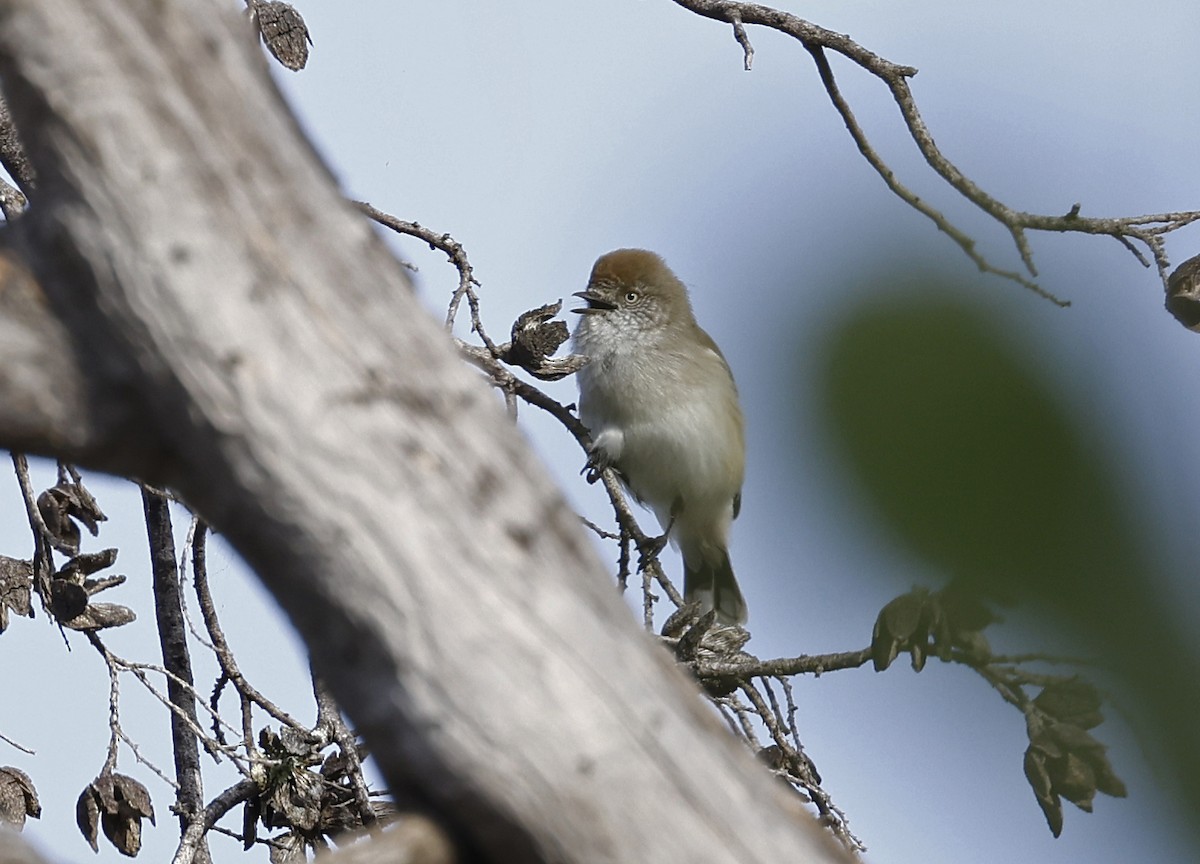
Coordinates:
x,y
632,297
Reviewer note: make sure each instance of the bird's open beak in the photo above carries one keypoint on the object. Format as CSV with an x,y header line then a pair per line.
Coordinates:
x,y
596,302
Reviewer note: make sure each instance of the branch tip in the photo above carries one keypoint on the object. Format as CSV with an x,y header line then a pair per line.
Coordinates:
x,y
739,33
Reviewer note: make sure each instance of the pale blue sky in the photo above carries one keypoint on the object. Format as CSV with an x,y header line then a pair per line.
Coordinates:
x,y
541,134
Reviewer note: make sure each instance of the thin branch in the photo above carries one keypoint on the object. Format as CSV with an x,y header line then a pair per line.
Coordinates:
x,y
225,658
139,670
220,648
467,283
329,717
43,540
172,636
142,760
817,40
964,241
739,33
200,824
11,743
815,664
546,368
185,555
600,532
114,703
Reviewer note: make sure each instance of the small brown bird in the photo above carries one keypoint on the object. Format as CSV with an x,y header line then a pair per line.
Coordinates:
x,y
662,407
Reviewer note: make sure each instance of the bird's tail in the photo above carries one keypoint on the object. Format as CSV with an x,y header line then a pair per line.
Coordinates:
x,y
711,581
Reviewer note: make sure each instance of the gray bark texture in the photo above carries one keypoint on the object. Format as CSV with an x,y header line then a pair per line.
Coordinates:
x,y
190,301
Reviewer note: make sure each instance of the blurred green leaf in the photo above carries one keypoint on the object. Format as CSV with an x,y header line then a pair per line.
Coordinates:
x,y
967,456
959,445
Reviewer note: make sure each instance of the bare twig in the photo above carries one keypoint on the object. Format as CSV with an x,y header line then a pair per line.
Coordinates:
x,y
225,658
600,532
739,33
467,282
114,704
816,664
964,241
138,670
142,760
193,838
795,766
185,554
1147,230
172,636
329,717
11,743
43,540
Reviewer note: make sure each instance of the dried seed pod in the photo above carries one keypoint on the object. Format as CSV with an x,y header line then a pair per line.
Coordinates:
x,y
18,797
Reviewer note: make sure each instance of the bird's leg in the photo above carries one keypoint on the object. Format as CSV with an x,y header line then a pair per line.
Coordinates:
x,y
653,546
597,461
602,454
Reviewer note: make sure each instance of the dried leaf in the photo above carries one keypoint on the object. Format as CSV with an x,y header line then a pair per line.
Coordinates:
x,y
87,815
296,801
535,336
85,508
974,643
118,803
679,620
133,798
964,611
719,686
1183,293
771,756
1040,738
1039,779
884,646
53,506
386,811
18,798
288,849
1072,738
297,742
1052,810
124,834
1107,780
99,616
722,642
1074,779
884,651
1072,701
105,793
1036,773
67,599
87,563
95,586
250,814
902,616
283,31
335,765
16,584
917,650
63,503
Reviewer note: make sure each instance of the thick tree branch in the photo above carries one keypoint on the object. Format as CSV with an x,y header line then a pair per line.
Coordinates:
x,y
285,380
46,399
172,635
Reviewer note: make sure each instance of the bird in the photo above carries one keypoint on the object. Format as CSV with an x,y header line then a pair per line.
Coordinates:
x,y
662,408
